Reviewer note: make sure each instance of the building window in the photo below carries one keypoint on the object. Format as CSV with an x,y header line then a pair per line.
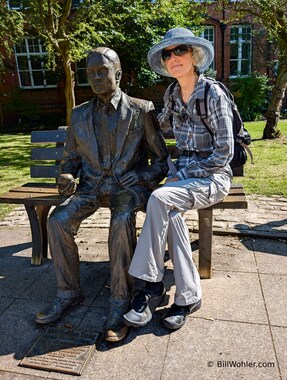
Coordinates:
x,y
208,34
31,57
76,3
81,72
15,4
18,4
240,50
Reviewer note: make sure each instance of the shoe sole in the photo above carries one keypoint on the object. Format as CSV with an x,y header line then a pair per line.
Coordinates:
x,y
43,321
177,327
136,324
117,338
130,323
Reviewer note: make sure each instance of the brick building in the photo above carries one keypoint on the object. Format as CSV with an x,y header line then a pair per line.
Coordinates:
x,y
30,93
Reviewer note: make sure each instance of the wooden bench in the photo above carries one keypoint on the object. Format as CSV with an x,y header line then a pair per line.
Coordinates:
x,y
38,198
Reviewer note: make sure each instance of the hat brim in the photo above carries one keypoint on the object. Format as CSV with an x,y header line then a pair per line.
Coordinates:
x,y
155,54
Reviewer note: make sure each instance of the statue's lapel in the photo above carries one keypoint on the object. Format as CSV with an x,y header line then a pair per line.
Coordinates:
x,y
125,117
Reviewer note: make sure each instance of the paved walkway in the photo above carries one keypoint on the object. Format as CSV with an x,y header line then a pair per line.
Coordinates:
x,y
239,333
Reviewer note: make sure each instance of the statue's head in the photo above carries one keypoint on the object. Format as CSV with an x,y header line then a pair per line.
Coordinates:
x,y
104,70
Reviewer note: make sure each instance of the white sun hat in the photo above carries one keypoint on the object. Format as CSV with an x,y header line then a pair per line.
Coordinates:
x,y
179,36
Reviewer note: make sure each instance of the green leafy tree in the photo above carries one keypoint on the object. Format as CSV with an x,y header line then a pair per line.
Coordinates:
x,y
272,16
11,31
130,27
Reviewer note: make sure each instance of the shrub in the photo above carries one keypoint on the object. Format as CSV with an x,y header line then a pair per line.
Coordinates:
x,y
251,95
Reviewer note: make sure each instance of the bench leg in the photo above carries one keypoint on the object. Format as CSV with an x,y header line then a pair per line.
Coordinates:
x,y
205,221
38,224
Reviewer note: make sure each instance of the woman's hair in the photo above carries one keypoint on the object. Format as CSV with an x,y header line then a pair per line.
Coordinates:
x,y
199,57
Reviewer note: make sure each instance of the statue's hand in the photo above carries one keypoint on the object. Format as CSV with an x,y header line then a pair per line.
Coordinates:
x,y
131,178
66,184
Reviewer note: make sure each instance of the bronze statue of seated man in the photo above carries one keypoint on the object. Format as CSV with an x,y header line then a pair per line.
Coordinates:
x,y
116,143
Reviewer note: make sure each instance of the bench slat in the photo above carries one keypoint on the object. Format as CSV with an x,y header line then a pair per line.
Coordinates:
x,y
56,136
44,171
47,153
31,198
50,195
42,190
231,201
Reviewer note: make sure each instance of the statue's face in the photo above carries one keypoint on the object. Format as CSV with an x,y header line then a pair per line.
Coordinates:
x,y
101,74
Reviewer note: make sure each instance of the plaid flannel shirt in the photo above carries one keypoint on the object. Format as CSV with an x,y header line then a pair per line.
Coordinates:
x,y
211,154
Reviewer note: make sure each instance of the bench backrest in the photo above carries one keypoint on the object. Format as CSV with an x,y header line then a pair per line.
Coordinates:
x,y
47,157
48,153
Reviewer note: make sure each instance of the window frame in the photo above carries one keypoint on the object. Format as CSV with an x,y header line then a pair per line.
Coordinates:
x,y
239,42
15,8
78,69
30,71
206,28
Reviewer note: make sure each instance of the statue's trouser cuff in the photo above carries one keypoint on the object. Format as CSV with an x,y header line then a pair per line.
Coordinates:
x,y
67,294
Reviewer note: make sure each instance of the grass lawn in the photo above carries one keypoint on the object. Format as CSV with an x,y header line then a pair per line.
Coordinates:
x,y
15,154
268,175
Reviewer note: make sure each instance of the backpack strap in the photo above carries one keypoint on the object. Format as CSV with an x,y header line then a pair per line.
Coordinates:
x,y
170,97
171,165
171,100
201,107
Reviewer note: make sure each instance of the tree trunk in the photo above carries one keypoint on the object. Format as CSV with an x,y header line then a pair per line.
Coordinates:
x,y
69,89
272,115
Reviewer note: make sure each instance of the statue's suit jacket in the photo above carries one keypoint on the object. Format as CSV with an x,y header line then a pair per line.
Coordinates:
x,y
140,147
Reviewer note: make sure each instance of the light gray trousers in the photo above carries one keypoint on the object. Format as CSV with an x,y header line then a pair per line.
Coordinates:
x,y
165,223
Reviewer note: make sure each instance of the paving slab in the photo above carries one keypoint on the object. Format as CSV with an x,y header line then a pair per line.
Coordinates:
x,y
233,254
233,296
271,256
274,288
280,339
18,331
220,350
140,357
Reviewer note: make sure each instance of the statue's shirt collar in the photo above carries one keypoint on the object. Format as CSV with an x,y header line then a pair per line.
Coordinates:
x,y
114,101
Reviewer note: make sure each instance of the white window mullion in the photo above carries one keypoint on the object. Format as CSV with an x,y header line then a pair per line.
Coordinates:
x,y
31,64
241,39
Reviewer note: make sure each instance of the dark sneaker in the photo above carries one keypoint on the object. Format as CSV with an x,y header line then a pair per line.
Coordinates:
x,y
56,310
143,306
174,318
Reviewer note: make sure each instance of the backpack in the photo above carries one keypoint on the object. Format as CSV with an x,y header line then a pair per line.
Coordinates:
x,y
241,136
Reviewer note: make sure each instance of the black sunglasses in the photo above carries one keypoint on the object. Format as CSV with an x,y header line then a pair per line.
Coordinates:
x,y
178,51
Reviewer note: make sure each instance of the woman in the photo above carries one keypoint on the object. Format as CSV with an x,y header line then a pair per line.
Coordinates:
x,y
201,177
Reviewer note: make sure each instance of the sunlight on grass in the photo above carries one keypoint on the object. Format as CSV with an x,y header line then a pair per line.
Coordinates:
x,y
268,174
